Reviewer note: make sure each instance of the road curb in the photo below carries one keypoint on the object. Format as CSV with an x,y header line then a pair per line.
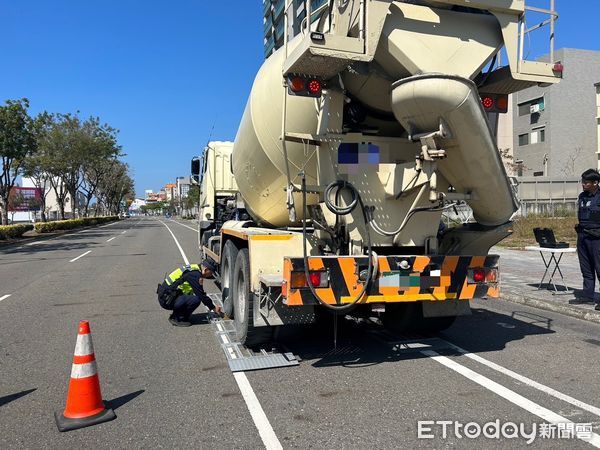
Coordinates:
x,y
567,310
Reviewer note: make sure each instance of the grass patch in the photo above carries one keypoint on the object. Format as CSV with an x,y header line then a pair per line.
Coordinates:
x,y
523,230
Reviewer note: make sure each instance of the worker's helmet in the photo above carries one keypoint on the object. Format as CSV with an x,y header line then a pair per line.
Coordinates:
x,y
590,175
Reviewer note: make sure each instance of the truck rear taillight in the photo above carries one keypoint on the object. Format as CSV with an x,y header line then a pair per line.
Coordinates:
x,y
304,86
487,102
314,87
318,279
497,103
297,84
558,67
482,275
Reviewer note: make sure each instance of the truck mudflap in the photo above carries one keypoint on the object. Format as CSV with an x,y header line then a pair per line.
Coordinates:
x,y
340,279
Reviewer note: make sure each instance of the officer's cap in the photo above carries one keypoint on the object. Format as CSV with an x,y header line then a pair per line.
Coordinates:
x,y
590,175
210,264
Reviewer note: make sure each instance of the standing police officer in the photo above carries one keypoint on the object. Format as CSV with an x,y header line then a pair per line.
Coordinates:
x,y
588,232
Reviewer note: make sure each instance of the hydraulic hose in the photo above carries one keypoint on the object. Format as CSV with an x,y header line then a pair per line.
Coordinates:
x,y
333,206
412,212
358,200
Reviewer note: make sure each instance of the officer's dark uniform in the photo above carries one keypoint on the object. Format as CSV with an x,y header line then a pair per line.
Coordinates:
x,y
192,293
588,246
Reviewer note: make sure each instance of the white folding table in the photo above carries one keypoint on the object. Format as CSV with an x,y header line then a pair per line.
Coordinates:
x,y
552,264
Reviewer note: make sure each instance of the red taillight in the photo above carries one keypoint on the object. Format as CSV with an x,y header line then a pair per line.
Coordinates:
x,y
315,278
495,103
487,102
297,84
314,87
479,275
304,85
502,102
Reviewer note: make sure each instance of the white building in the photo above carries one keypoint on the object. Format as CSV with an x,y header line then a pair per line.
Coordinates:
x,y
52,209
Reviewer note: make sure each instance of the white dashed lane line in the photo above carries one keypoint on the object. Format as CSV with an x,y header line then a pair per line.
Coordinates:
x,y
4,297
80,256
108,240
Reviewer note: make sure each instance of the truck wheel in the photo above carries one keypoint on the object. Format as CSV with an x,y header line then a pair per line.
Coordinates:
x,y
230,252
246,332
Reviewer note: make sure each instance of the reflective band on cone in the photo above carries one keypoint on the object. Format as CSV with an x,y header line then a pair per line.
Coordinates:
x,y
84,400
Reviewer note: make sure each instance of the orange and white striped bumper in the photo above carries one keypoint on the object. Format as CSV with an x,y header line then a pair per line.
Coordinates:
x,y
432,278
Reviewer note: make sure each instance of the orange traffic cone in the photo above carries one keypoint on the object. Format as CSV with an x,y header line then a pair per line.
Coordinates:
x,y
84,400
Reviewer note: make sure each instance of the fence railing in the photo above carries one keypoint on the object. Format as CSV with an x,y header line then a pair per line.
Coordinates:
x,y
548,196
544,196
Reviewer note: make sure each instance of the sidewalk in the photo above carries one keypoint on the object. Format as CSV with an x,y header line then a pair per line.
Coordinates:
x,y
521,272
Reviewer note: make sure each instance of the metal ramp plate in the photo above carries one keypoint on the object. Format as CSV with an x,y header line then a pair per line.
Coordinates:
x,y
242,359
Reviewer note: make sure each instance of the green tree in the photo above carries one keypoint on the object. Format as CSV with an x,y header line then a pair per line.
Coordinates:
x,y
17,142
116,186
192,201
102,157
76,151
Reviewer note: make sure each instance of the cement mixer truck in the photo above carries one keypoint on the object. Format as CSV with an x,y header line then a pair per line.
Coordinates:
x,y
359,132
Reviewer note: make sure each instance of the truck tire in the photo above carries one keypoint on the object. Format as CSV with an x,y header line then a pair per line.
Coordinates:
x,y
230,252
243,310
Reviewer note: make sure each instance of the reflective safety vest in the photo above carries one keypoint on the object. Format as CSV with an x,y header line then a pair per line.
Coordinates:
x,y
178,273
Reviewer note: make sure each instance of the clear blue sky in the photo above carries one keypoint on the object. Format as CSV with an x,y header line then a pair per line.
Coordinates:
x,y
164,72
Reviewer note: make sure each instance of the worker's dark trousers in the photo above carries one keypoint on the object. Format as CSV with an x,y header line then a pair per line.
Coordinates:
x,y
185,306
588,251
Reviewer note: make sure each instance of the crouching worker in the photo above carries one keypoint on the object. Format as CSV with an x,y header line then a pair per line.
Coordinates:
x,y
182,292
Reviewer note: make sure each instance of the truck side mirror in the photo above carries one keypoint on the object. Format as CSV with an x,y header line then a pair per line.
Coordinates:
x,y
195,170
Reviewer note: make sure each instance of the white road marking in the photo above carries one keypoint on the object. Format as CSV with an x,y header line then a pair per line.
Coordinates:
x,y
80,256
185,260
265,430
4,297
183,225
261,421
517,399
124,231
109,224
527,381
108,240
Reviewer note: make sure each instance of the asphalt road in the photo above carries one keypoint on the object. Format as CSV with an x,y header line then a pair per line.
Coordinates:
x,y
171,387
